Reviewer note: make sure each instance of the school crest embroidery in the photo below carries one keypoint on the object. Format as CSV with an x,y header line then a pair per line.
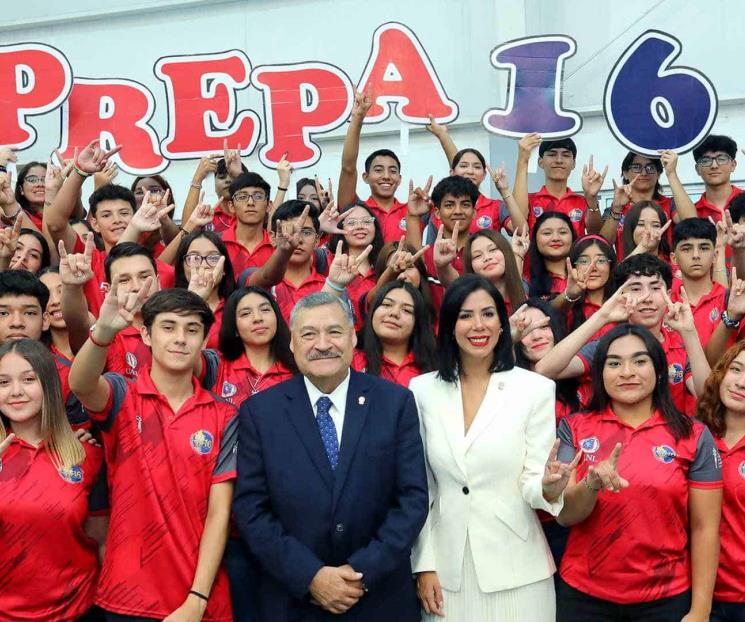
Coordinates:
x,y
72,475
590,445
664,453
201,442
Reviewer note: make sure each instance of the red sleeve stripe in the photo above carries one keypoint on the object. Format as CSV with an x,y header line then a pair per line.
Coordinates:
x,y
705,485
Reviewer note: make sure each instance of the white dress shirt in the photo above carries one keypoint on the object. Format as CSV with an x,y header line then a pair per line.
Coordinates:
x,y
338,399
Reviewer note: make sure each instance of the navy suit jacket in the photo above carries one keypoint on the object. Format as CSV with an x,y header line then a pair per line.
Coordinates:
x,y
297,515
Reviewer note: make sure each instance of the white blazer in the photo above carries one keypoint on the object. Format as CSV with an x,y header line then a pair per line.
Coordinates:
x,y
486,483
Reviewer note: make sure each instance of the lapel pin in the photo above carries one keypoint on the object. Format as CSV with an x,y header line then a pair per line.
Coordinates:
x,y
361,400
500,386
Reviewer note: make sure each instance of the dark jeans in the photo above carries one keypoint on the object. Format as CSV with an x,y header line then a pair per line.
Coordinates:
x,y
727,612
115,617
94,614
242,569
573,606
557,537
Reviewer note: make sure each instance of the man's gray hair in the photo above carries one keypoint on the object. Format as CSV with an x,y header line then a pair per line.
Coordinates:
x,y
321,299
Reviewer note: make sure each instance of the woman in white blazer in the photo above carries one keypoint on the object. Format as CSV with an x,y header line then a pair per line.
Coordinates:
x,y
490,441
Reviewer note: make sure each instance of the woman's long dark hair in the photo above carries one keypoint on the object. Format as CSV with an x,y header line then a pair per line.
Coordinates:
x,y
512,280
227,285
230,342
46,257
448,352
566,389
377,241
632,219
540,277
22,174
421,341
629,160
580,246
678,423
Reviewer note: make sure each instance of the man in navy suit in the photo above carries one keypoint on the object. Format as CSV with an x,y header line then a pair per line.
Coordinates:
x,y
332,488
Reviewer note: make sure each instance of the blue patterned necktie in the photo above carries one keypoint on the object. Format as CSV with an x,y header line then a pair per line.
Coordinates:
x,y
328,430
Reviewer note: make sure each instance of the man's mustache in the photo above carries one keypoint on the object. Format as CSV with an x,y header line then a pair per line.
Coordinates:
x,y
317,356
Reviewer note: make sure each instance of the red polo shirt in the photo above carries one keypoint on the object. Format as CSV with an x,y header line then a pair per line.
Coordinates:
x,y
706,209
241,257
238,380
128,354
570,203
393,222
213,337
707,311
634,546
668,207
398,374
76,415
357,291
287,294
489,214
161,466
95,289
730,586
49,564
35,217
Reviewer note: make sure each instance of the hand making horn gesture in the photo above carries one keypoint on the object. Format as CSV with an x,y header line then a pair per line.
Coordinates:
x,y
445,249
605,475
556,473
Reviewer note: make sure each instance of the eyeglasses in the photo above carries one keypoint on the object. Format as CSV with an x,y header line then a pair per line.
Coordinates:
x,y
307,233
34,179
242,197
195,260
647,168
351,223
140,192
586,261
707,161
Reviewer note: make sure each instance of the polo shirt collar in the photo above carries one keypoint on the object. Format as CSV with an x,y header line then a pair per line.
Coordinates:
x,y
146,386
243,363
654,420
543,192
704,202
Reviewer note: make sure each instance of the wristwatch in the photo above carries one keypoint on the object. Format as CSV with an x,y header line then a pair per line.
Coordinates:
x,y
728,322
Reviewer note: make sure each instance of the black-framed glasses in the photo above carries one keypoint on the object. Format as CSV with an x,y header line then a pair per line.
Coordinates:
x,y
706,161
195,260
242,197
647,168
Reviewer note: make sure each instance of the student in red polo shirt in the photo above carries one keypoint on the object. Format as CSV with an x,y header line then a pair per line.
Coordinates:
x,y
641,182
170,452
247,240
382,174
551,241
722,409
557,158
398,339
49,564
694,253
454,198
645,500
254,346
202,256
716,160
361,229
642,285
132,266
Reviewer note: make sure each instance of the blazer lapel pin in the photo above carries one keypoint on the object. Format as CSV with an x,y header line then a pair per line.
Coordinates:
x,y
361,400
500,386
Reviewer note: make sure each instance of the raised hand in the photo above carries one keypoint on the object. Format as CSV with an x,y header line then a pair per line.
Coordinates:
x,y
232,160
605,475
429,591
621,304
150,214
284,171
419,201
207,164
289,235
54,178
650,239
324,196
202,215
521,241
205,278
329,220
521,325
592,180
577,279
344,269
8,154
7,195
445,250
735,231
669,161
107,175
526,145
433,127
9,239
362,102
76,268
556,473
401,259
93,159
499,177
120,307
736,302
679,315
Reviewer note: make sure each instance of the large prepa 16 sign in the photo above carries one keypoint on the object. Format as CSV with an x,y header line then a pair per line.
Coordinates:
x,y
649,102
